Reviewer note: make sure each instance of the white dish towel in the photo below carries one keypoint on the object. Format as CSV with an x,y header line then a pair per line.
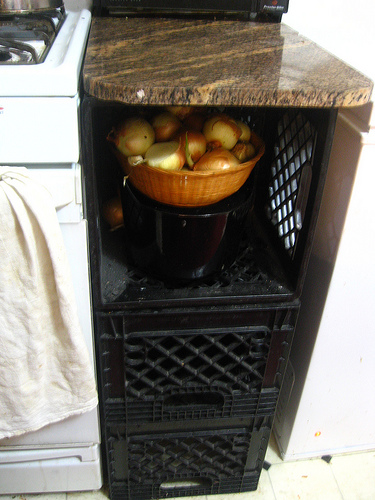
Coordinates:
x,y
45,370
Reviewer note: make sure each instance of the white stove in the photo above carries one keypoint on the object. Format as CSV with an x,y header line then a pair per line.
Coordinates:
x,y
39,102
39,130
58,74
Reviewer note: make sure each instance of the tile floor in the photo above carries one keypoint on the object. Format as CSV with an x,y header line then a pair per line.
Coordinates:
x,y
345,477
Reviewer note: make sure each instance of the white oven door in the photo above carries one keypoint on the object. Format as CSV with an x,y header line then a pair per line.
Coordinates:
x,y
56,139
63,456
64,184
78,430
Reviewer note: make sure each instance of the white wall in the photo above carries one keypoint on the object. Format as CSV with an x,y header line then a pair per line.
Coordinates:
x,y
344,27
77,4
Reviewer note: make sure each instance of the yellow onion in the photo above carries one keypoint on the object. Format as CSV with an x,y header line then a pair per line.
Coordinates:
x,y
194,143
165,125
128,162
221,130
245,131
195,121
133,136
165,155
112,212
244,151
135,160
217,159
181,111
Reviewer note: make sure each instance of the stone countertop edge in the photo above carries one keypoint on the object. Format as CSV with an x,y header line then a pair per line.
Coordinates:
x,y
144,61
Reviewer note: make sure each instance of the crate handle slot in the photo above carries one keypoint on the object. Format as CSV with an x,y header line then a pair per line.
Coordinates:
x,y
186,483
203,399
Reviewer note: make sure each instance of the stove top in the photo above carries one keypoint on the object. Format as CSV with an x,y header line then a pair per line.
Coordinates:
x,y
41,54
27,38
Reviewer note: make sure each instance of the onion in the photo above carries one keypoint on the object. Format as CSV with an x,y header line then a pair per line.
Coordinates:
x,y
194,144
112,211
135,160
195,121
245,131
165,155
133,136
244,151
128,162
165,125
222,131
180,111
217,159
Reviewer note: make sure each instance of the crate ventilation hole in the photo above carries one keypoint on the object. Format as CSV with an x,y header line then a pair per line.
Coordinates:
x,y
291,176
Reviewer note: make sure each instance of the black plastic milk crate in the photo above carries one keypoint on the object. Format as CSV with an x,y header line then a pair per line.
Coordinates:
x,y
273,257
183,463
196,372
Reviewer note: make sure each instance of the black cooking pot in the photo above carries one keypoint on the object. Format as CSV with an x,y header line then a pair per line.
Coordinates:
x,y
28,6
179,245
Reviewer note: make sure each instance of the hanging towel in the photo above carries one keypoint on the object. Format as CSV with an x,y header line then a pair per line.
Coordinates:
x,y
45,369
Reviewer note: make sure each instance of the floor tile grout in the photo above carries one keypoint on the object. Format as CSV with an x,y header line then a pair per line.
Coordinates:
x,y
338,485
273,489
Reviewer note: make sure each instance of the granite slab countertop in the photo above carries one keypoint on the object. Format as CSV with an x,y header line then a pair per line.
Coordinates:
x,y
207,62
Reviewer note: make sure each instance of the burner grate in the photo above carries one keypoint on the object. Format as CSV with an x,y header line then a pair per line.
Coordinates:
x,y
26,39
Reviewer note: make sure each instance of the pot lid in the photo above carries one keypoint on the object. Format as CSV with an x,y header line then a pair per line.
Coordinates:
x,y
10,7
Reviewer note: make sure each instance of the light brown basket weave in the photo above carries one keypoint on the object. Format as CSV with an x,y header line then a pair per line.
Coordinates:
x,y
186,188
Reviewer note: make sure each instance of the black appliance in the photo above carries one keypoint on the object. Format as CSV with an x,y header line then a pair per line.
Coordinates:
x,y
263,10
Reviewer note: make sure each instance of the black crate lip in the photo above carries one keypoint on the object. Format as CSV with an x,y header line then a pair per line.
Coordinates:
x,y
126,490
262,403
248,279
198,319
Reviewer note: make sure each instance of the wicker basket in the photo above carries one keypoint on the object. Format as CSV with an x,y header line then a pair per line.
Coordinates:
x,y
186,188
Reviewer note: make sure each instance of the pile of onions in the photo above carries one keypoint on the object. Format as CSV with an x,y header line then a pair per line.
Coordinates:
x,y
183,136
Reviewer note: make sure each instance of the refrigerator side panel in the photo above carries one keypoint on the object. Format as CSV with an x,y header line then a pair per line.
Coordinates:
x,y
331,407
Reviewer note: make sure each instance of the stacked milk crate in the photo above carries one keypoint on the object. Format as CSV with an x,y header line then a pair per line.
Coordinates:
x,y
189,411
190,375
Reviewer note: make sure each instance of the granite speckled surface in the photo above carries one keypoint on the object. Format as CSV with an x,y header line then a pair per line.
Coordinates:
x,y
207,62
